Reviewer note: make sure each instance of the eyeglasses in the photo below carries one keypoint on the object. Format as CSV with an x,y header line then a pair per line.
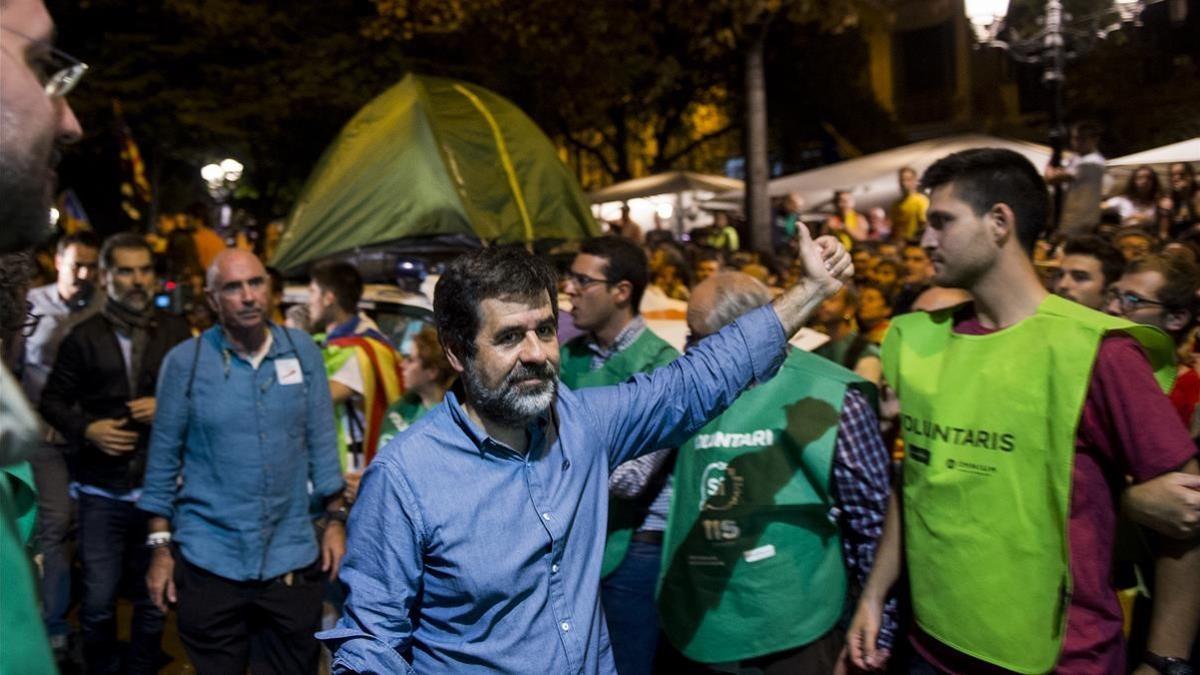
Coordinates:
x,y
582,281
57,70
1130,301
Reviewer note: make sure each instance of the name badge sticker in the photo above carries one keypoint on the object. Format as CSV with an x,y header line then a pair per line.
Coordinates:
x,y
287,371
761,553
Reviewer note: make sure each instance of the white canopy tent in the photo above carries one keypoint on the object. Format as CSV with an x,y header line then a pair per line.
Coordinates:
x,y
873,179
1159,159
670,197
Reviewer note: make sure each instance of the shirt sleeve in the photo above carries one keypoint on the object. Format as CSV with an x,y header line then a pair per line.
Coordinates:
x,y
1128,418
383,576
62,389
324,469
665,407
629,480
350,374
861,485
164,458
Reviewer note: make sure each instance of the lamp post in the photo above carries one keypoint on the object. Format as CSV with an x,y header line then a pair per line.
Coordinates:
x,y
1049,46
220,179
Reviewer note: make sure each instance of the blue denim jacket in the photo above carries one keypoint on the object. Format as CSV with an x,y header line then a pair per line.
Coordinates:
x,y
465,556
233,469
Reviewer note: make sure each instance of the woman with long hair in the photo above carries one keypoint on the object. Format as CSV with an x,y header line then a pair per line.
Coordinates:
x,y
1138,204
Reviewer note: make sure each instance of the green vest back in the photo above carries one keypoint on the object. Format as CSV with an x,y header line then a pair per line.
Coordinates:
x,y
989,423
645,354
752,563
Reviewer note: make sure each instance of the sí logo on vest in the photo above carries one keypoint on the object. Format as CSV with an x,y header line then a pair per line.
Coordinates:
x,y
972,438
720,487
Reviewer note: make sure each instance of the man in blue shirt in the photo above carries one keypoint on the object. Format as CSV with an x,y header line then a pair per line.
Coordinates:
x,y
478,533
245,419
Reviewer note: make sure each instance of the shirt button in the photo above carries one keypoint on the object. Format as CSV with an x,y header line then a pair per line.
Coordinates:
x,y
554,569
545,516
565,626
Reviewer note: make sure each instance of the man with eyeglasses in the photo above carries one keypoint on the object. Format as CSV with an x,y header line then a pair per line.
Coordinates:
x,y
243,441
35,118
1160,291
605,284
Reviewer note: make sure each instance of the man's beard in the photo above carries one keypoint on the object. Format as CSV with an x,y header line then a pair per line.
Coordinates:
x,y
24,192
506,404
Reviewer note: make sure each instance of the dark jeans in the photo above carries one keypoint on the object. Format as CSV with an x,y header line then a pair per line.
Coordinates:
x,y
53,530
628,598
268,626
112,547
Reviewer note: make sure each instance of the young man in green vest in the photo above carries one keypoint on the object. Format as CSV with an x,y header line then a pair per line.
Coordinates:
x,y
1022,416
777,507
605,284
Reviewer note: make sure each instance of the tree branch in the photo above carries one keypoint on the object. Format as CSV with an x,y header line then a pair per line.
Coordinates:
x,y
667,160
593,151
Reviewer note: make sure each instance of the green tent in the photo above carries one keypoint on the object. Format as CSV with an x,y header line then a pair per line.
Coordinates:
x,y
434,157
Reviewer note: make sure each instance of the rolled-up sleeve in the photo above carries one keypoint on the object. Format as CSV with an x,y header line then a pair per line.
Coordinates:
x,y
382,569
323,468
167,434
664,408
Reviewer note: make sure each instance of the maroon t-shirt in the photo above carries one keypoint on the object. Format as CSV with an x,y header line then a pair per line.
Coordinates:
x,y
1128,428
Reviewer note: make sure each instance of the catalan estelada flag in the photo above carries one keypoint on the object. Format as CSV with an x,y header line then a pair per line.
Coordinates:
x,y
135,189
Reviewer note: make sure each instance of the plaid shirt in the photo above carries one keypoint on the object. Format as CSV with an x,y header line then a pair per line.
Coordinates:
x,y
861,484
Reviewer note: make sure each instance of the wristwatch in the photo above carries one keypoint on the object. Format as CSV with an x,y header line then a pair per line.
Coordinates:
x,y
340,515
1167,665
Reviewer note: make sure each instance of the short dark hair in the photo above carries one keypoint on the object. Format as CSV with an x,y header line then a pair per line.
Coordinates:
x,y
1181,279
123,240
343,280
1112,263
81,238
504,272
624,261
984,177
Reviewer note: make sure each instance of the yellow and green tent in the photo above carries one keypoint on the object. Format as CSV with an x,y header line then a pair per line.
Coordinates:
x,y
434,157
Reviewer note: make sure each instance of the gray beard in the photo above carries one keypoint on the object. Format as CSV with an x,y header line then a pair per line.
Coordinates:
x,y
505,404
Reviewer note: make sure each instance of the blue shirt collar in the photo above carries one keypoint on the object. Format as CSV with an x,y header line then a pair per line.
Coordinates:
x,y
347,328
485,443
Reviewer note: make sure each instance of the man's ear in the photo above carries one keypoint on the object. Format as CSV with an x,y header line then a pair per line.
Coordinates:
x,y
455,362
1003,222
211,298
623,291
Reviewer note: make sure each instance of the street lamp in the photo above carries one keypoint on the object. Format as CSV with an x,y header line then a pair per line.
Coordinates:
x,y
1049,46
220,179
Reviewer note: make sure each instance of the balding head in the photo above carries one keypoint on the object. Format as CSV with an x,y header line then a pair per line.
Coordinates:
x,y
238,289
721,298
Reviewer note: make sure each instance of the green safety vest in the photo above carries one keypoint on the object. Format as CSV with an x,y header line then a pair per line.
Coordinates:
x,y
989,423
752,563
645,354
23,644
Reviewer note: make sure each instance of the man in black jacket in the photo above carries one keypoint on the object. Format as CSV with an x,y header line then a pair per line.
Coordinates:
x,y
100,396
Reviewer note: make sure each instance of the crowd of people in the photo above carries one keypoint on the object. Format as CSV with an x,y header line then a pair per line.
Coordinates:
x,y
987,461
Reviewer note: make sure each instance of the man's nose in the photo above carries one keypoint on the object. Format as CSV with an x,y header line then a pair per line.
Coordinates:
x,y
929,239
532,350
1113,306
69,129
